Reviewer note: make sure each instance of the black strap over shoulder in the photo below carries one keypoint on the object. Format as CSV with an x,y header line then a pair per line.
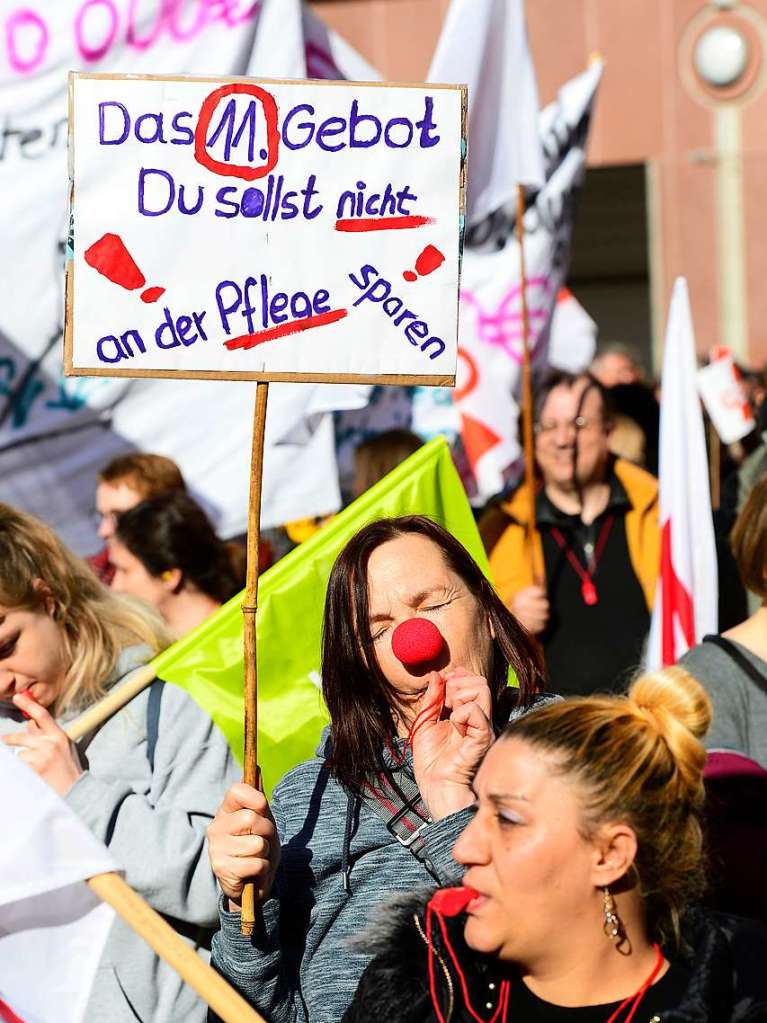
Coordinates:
x,y
394,796
743,662
153,719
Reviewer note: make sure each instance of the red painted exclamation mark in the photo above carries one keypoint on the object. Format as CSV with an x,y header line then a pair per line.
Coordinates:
x,y
426,263
110,258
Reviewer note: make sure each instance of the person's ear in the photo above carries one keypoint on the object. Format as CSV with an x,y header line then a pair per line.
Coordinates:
x,y
615,850
172,579
45,595
491,627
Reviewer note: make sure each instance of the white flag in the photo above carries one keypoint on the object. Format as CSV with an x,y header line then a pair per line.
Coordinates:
x,y
52,926
686,595
573,335
278,50
484,45
490,328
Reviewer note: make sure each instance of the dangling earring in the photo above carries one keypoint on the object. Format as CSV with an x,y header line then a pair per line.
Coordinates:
x,y
612,926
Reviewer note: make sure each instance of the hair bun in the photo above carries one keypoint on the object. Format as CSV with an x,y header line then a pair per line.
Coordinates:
x,y
677,706
674,692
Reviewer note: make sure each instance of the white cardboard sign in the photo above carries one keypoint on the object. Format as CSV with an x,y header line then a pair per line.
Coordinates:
x,y
262,229
721,391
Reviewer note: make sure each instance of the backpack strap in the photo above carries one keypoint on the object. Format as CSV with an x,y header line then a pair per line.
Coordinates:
x,y
153,719
737,655
394,797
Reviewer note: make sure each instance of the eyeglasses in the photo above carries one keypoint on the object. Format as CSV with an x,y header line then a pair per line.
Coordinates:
x,y
549,427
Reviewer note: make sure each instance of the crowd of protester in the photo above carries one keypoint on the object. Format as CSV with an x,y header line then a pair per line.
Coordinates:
x,y
458,849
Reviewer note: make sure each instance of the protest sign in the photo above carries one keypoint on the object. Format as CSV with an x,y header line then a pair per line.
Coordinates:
x,y
266,230
722,393
57,432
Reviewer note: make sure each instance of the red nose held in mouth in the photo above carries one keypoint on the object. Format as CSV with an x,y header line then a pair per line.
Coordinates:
x,y
452,901
416,641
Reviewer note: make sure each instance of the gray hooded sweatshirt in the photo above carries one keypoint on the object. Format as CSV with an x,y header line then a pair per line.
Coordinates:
x,y
298,965
154,824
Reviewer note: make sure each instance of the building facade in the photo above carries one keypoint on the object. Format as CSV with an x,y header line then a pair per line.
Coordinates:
x,y
678,153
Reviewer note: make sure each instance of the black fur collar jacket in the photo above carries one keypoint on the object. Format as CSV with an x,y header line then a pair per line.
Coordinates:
x,y
727,958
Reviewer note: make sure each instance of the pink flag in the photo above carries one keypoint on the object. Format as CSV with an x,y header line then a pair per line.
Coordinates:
x,y
686,595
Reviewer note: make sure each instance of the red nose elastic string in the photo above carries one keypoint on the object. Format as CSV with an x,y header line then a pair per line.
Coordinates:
x,y
451,902
416,641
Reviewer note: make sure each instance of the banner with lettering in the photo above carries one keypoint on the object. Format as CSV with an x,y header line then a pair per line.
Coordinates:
x,y
484,402
56,432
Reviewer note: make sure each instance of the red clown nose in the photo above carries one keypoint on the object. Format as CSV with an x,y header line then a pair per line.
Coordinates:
x,y
452,901
416,641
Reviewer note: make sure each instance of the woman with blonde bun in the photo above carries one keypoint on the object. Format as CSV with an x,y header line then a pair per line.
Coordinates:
x,y
584,861
146,782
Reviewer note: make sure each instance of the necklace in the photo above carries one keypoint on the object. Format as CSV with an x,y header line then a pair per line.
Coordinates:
x,y
586,575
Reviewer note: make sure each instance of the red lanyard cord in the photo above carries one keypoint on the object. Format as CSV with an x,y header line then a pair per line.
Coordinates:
x,y
634,1000
586,575
503,996
501,1012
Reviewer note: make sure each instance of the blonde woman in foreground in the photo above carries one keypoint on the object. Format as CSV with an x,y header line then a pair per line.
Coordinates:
x,y
583,859
146,782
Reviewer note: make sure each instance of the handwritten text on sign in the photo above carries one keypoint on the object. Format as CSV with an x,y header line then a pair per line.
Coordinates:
x,y
264,228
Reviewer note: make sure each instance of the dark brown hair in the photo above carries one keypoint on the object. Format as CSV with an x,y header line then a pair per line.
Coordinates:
x,y
172,531
562,378
357,695
749,540
147,474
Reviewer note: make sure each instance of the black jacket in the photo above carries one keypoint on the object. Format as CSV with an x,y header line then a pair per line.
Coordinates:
x,y
727,957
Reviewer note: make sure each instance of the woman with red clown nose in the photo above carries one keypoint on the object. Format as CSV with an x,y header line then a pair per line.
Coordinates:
x,y
416,655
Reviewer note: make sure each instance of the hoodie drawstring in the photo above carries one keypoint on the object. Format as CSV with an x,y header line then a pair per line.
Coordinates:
x,y
346,867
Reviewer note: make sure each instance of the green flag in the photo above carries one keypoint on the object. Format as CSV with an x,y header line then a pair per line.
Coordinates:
x,y
208,663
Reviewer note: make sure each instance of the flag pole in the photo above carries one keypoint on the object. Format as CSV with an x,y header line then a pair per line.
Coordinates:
x,y
527,385
249,607
714,465
227,1003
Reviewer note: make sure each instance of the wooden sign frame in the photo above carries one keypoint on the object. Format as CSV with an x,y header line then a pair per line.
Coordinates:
x,y
403,379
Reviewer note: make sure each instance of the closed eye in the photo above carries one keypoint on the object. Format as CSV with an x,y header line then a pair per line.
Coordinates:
x,y
435,607
7,648
508,820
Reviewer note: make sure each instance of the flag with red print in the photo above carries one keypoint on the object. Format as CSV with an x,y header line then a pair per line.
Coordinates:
x,y
686,595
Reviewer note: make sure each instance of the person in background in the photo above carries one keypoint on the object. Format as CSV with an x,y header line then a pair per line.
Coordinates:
x,y
584,583
166,552
584,862
122,483
636,408
375,457
733,666
145,781
617,363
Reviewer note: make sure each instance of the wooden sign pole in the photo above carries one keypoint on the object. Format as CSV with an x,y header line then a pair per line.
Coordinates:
x,y
227,1003
527,383
249,608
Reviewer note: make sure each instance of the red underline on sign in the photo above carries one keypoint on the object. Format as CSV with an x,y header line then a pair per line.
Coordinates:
x,y
382,223
283,329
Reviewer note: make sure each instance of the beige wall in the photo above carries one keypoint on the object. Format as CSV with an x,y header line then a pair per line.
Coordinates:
x,y
707,210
